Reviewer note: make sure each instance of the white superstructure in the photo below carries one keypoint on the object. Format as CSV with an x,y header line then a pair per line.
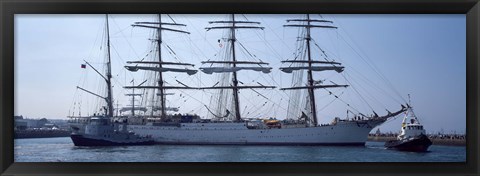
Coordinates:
x,y
411,127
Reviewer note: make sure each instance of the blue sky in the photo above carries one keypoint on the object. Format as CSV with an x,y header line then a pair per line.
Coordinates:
x,y
421,55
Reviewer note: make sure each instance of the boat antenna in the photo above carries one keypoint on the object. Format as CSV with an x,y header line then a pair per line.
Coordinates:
x,y
409,101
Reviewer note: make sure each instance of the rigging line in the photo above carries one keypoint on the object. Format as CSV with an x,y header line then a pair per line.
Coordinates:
x,y
171,18
326,57
171,50
95,41
191,97
298,51
124,37
279,85
348,104
120,29
72,105
271,29
357,92
258,36
172,53
336,50
375,86
324,53
328,104
199,50
251,55
295,100
375,69
264,78
246,53
144,91
295,105
320,48
245,17
249,100
119,57
197,76
267,43
372,84
248,35
371,96
260,94
277,105
205,38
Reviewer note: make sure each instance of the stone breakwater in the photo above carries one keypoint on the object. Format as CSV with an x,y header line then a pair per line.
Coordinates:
x,y
452,140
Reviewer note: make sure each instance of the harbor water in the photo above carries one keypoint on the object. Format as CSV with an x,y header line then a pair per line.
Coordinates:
x,y
61,149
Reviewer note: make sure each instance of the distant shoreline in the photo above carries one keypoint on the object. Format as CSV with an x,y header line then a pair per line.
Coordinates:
x,y
435,141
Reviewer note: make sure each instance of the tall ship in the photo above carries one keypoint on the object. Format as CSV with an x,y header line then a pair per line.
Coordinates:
x,y
227,126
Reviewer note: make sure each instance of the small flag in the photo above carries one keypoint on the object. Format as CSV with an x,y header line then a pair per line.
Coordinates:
x,y
83,66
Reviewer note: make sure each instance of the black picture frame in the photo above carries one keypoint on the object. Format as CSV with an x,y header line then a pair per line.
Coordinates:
x,y
10,7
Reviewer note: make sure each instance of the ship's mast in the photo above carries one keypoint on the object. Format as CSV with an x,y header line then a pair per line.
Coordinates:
x,y
133,99
235,87
133,102
109,74
133,94
234,79
160,77
311,86
311,90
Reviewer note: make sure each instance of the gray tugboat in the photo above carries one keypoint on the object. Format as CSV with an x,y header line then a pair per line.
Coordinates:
x,y
100,130
412,137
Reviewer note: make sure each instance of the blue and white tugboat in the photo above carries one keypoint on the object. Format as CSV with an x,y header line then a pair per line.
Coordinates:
x,y
412,137
100,130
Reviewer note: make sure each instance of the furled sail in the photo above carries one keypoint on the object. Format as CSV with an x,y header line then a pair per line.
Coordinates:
x,y
157,108
312,61
162,69
154,62
124,109
313,68
234,62
133,94
313,87
310,20
210,70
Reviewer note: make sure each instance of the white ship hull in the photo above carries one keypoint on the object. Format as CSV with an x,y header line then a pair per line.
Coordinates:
x,y
341,133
